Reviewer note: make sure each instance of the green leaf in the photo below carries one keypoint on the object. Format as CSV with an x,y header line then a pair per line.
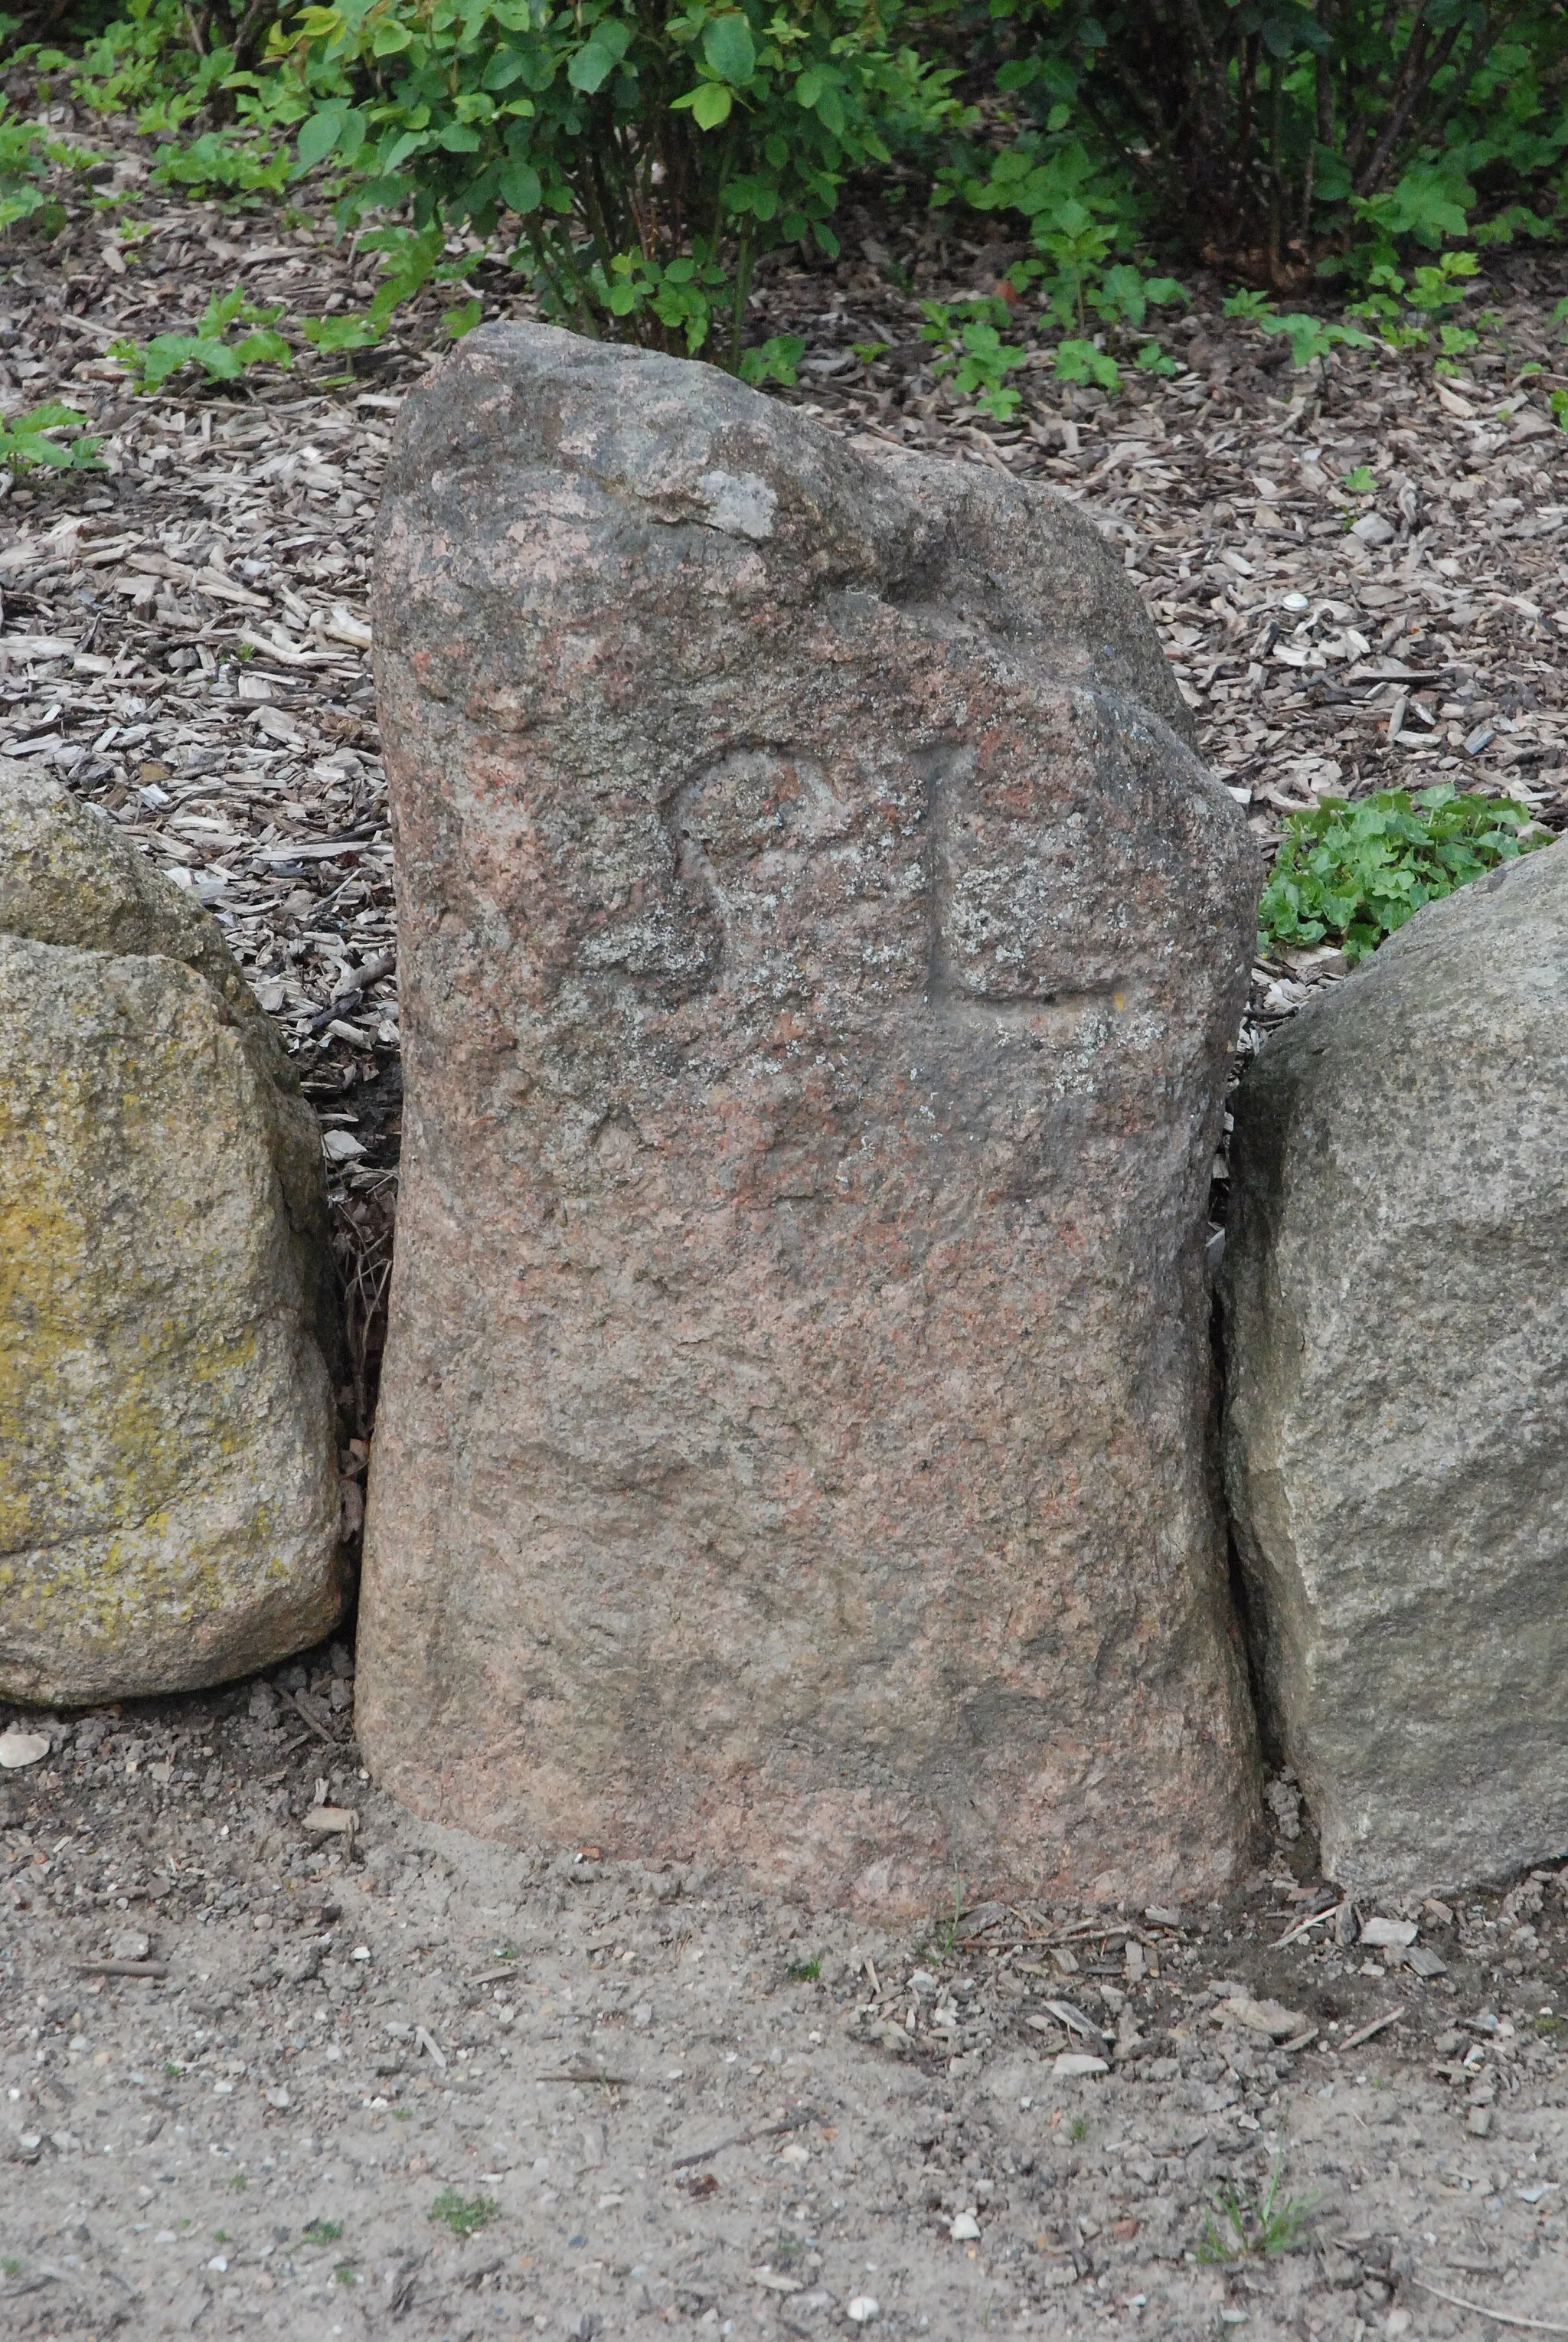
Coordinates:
x,y
331,335
710,105
1357,873
319,135
592,66
51,416
521,187
1080,361
504,67
830,110
35,449
729,49
263,350
219,362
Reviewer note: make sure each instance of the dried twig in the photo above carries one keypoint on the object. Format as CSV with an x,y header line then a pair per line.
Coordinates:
x,y
305,1717
744,2138
1354,2040
1498,2317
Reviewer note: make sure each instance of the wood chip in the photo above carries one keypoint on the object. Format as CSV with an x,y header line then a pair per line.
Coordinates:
x,y
1354,2040
331,1821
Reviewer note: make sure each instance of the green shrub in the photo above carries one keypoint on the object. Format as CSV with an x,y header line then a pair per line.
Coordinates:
x,y
1270,128
1353,874
640,154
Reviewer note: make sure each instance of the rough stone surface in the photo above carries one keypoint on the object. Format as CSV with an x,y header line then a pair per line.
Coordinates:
x,y
1396,1317
168,1484
821,952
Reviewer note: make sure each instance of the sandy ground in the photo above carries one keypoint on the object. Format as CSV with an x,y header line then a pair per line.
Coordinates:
x,y
660,2101
653,2100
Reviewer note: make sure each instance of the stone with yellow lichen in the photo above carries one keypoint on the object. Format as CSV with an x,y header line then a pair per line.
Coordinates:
x,y
168,1489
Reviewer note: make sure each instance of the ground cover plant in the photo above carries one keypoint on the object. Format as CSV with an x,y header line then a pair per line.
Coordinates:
x,y
1353,874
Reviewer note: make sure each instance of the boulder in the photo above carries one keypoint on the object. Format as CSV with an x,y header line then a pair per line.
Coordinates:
x,y
168,1484
1396,1341
822,949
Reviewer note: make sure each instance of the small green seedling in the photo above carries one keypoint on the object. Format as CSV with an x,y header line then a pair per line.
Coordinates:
x,y
969,347
1309,337
26,152
216,168
806,1972
868,353
239,2183
944,1943
27,440
463,2215
220,358
776,360
323,2232
346,2273
1360,482
331,335
1315,338
1240,2225
10,2268
1078,2128
1256,306
1081,361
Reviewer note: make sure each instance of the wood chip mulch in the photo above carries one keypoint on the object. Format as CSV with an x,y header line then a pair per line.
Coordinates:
x,y
183,637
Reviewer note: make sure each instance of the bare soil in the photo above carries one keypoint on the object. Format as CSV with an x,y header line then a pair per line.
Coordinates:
x,y
656,2101
674,2103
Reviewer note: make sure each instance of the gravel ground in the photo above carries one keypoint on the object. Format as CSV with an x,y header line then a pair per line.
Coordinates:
x,y
258,2135
665,2101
